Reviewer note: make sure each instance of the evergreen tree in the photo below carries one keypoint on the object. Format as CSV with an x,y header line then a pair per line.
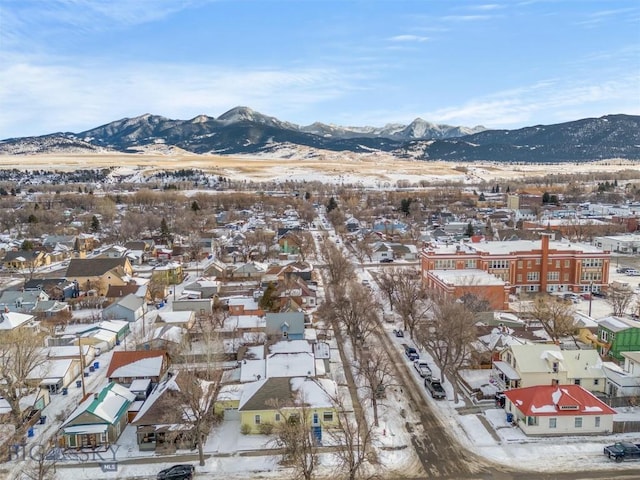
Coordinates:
x,y
307,195
508,189
470,232
268,298
546,198
165,233
405,203
481,198
332,204
95,224
27,245
195,207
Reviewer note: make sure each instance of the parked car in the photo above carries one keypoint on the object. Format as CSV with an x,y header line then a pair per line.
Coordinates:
x,y
600,294
386,260
620,451
633,272
435,388
177,472
411,353
398,332
622,269
422,368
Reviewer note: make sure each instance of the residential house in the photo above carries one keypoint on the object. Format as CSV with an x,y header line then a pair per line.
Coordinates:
x,y
548,410
115,292
201,306
270,401
381,251
243,306
99,419
25,260
164,422
99,273
617,335
13,320
623,380
127,366
529,365
173,339
185,319
21,301
405,252
285,325
114,251
205,286
54,375
56,288
129,308
171,273
249,270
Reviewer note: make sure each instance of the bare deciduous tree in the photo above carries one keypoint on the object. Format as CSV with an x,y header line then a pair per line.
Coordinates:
x,y
411,300
21,352
357,311
447,335
376,370
619,297
556,317
339,267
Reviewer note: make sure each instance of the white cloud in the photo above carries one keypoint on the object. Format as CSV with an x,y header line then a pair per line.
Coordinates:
x,y
409,38
40,98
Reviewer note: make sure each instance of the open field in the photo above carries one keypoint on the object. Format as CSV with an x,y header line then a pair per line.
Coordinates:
x,y
330,168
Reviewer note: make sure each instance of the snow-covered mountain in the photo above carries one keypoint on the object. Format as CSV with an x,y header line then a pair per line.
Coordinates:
x,y
242,130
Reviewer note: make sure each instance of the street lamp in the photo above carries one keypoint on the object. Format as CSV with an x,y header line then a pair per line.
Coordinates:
x,y
84,393
590,296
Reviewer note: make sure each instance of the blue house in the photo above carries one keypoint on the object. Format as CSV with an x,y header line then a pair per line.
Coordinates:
x,y
289,325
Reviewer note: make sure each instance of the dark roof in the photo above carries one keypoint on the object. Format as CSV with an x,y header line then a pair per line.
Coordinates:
x,y
276,389
26,254
93,267
45,283
115,291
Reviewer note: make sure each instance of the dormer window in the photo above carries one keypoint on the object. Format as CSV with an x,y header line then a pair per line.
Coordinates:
x,y
555,367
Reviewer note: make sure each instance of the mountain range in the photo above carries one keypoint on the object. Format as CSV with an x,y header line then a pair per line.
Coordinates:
x,y
242,130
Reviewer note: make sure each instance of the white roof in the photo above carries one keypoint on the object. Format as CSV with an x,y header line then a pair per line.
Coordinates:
x,y
11,320
291,346
468,277
290,365
145,367
51,369
175,317
316,392
139,384
82,429
534,357
230,392
252,370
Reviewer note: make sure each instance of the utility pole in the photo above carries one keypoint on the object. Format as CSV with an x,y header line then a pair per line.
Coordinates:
x,y
590,296
84,393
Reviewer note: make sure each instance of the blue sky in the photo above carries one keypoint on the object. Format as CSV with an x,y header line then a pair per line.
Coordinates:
x,y
71,65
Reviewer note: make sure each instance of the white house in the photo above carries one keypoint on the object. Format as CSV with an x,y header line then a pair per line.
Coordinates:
x,y
558,410
623,380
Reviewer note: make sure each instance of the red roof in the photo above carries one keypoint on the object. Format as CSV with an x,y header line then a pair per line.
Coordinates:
x,y
120,359
554,400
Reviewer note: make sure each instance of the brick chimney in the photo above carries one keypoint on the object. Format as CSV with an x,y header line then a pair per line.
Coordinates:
x,y
544,261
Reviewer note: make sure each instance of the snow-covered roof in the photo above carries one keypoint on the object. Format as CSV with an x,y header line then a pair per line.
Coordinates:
x,y
108,405
252,370
11,320
468,277
51,369
290,365
291,346
145,367
550,400
618,324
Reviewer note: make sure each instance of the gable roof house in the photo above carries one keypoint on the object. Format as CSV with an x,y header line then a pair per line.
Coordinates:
x,y
285,325
21,301
267,402
25,259
12,320
99,273
546,410
54,375
529,365
163,422
129,308
127,366
99,419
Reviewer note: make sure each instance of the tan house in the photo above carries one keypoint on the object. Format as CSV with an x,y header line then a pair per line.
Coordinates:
x,y
25,260
99,273
528,365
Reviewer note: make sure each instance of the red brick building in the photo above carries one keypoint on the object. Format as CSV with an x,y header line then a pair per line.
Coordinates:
x,y
525,265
